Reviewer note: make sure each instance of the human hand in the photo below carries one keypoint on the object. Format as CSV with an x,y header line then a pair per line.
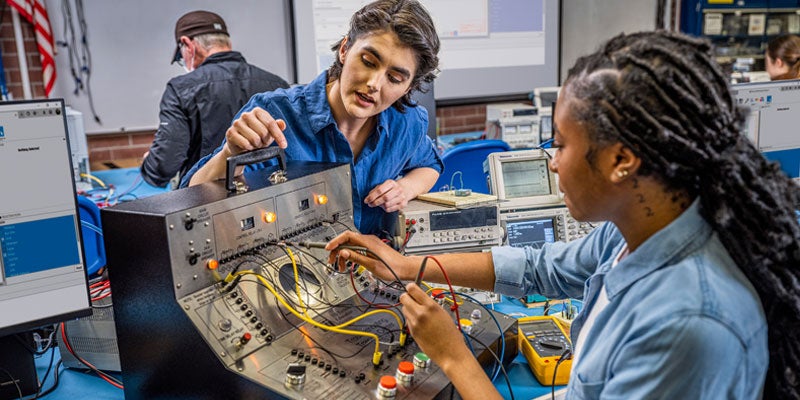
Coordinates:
x,y
339,256
390,195
146,153
254,129
432,327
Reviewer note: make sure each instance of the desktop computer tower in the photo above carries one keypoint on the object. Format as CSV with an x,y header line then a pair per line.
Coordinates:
x,y
17,367
79,149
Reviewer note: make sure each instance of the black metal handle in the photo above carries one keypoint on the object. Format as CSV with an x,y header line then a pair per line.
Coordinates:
x,y
252,157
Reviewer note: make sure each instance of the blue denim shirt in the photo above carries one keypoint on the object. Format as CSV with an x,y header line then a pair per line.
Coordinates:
x,y
398,145
682,320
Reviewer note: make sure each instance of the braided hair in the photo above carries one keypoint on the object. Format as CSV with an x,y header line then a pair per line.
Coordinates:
x,y
662,95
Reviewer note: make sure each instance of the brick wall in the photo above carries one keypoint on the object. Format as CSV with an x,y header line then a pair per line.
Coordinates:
x,y
110,147
460,119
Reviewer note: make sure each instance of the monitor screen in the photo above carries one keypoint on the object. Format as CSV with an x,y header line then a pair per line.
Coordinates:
x,y
531,232
774,107
42,274
526,178
500,47
522,179
774,114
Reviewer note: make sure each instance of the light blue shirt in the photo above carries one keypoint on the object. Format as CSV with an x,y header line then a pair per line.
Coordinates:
x,y
683,322
398,145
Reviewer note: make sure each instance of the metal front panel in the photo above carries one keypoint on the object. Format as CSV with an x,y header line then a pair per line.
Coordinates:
x,y
266,362
215,231
187,330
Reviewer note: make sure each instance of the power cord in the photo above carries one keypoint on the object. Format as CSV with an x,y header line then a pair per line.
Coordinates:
x,y
566,355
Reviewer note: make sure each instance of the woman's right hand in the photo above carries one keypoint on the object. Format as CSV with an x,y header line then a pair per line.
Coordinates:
x,y
400,264
254,129
432,327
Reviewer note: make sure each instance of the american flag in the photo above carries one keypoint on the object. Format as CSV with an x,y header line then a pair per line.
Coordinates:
x,y
34,12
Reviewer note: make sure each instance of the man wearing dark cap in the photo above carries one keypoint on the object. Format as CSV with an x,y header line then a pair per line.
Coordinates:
x,y
197,107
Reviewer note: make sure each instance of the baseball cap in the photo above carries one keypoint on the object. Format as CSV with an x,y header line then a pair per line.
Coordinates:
x,y
197,23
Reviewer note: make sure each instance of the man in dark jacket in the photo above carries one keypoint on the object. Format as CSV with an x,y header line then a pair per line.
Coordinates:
x,y
197,108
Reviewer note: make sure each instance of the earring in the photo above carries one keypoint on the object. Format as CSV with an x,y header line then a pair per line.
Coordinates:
x,y
622,173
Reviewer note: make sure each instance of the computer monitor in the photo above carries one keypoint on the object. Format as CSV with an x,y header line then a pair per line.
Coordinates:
x,y
533,232
42,275
522,179
773,120
544,97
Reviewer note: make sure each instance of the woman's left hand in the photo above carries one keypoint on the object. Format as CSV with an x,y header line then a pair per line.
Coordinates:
x,y
390,195
433,328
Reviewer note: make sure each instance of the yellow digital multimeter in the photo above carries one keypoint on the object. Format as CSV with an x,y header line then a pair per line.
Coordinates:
x,y
543,341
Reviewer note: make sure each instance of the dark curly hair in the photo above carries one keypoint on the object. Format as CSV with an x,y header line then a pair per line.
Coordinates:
x,y
662,95
412,24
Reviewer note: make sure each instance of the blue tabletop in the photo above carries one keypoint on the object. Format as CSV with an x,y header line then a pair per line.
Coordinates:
x,y
112,186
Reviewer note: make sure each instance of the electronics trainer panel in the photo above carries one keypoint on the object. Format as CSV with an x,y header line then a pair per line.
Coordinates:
x,y
427,228
215,280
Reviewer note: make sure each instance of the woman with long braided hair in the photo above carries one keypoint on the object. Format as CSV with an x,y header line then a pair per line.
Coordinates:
x,y
691,289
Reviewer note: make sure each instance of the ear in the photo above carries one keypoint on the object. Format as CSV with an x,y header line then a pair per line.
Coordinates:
x,y
187,42
625,163
343,50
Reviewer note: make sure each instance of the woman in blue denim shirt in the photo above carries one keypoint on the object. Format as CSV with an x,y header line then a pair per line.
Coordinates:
x,y
359,112
691,289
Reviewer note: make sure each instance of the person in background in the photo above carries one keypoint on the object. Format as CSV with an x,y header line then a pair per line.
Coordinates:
x,y
783,57
358,112
692,287
196,108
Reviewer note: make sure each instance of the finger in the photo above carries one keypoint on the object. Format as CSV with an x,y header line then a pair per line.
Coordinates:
x,y
377,192
357,258
246,132
341,239
390,208
272,128
416,293
236,142
393,201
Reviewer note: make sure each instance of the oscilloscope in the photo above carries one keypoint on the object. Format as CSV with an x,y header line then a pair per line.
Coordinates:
x,y
522,179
